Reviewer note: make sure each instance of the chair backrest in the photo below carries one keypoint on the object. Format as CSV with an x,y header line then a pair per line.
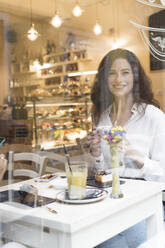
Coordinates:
x,y
40,164
54,156
57,158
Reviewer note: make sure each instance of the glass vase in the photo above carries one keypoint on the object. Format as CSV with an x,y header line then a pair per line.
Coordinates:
x,y
116,191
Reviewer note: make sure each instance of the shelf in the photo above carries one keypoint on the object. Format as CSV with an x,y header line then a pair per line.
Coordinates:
x,y
65,63
23,73
53,75
58,101
56,104
71,74
65,52
62,117
23,86
45,146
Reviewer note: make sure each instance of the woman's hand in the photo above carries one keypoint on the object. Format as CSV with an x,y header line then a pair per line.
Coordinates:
x,y
94,141
132,153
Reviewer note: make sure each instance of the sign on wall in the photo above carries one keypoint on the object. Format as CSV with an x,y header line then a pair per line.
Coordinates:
x,y
157,41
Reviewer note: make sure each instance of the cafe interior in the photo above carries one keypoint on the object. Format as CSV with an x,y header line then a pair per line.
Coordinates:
x,y
50,195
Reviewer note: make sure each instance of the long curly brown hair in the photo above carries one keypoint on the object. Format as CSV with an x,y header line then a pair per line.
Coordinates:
x,y
101,96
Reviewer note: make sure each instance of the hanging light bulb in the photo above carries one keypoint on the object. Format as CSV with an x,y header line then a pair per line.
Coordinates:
x,y
97,29
56,21
77,10
32,33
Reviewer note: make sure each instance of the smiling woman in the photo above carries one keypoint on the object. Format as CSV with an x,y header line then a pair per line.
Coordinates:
x,y
122,96
121,79
120,71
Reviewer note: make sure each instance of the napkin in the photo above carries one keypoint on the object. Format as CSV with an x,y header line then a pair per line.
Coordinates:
x,y
59,183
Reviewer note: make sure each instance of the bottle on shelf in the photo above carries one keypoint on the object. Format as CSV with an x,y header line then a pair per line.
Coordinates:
x,y
48,48
83,54
53,47
23,110
13,63
16,109
13,108
25,64
40,58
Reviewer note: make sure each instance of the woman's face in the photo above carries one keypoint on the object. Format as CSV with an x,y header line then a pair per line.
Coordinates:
x,y
121,78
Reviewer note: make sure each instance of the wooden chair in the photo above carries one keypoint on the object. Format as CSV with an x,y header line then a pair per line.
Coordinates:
x,y
33,171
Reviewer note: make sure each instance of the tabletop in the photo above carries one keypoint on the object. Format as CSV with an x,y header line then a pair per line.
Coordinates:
x,y
75,218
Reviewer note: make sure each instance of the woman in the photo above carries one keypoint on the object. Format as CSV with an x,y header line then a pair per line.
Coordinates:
x,y
122,95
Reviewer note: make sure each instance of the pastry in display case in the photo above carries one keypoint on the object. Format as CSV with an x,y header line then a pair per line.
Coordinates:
x,y
58,123
40,92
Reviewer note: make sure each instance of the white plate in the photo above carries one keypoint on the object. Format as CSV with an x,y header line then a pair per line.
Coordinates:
x,y
46,178
93,195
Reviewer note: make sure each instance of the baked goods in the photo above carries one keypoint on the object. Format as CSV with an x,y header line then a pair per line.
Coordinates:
x,y
47,176
75,133
103,177
86,90
40,92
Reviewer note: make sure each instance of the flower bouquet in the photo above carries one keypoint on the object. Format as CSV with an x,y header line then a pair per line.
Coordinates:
x,y
114,136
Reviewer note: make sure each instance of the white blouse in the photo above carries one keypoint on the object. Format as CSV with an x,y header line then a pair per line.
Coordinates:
x,y
146,133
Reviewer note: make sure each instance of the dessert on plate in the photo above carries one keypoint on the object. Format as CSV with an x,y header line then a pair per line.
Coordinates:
x,y
103,177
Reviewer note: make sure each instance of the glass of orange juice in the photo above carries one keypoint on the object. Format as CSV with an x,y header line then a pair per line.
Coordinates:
x,y
77,178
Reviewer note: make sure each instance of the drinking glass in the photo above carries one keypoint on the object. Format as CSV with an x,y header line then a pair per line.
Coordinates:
x,y
76,176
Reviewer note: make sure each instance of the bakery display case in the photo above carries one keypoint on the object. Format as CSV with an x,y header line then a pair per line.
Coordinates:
x,y
58,97
59,120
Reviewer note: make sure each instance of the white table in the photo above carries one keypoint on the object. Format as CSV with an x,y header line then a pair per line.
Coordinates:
x,y
86,225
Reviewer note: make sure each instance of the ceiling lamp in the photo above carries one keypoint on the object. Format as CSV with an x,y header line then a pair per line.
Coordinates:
x,y
56,21
77,10
32,33
97,29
